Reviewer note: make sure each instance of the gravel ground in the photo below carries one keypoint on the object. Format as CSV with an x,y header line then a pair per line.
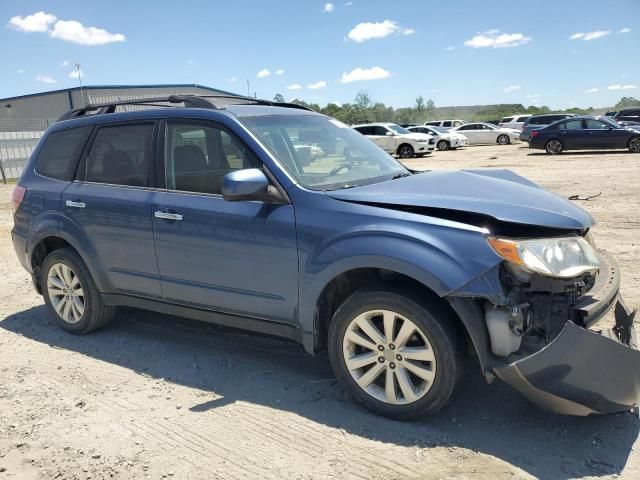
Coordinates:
x,y
154,396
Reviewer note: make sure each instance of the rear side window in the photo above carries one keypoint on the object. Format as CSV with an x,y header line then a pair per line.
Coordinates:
x,y
506,119
522,119
59,155
435,124
571,125
365,130
121,155
629,115
446,124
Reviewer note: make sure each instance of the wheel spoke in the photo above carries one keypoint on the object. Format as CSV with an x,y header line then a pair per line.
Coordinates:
x,y
367,379
78,292
419,371
390,386
75,282
79,304
55,292
66,272
367,326
389,321
407,329
406,386
358,339
66,310
56,282
423,354
359,361
58,306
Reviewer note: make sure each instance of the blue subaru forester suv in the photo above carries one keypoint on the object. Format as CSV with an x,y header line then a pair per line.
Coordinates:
x,y
273,218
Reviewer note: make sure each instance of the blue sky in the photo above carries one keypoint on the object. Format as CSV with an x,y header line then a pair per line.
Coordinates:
x,y
556,53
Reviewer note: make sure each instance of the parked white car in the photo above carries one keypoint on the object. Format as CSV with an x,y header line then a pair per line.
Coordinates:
x,y
397,140
485,133
445,139
445,123
514,121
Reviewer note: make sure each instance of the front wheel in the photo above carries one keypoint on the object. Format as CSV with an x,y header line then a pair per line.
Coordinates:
x,y
443,145
554,147
399,358
405,151
634,145
504,139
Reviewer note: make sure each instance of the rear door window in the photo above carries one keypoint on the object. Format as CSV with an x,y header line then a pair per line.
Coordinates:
x,y
522,119
121,155
596,124
59,156
446,124
507,119
571,125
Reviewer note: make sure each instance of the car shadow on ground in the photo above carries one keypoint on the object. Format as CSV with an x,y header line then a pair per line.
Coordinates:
x,y
581,152
491,419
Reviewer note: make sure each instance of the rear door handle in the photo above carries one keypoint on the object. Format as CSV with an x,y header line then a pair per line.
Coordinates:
x,y
74,204
167,215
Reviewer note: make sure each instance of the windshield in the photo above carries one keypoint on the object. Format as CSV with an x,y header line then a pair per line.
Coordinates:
x,y
397,129
322,153
440,129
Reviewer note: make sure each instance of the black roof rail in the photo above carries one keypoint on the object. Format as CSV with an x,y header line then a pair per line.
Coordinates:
x,y
190,101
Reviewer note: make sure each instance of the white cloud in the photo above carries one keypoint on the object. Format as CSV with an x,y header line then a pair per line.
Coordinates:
x,y
348,4
408,31
75,74
76,32
329,7
369,31
511,88
37,22
263,73
359,74
624,30
622,87
317,85
533,95
497,39
191,61
592,90
233,79
590,35
20,71
45,79
338,104
280,72
65,63
295,86
434,90
450,48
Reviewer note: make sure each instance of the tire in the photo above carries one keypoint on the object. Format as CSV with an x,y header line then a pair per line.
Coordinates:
x,y
554,146
406,151
634,144
503,139
443,145
436,337
86,311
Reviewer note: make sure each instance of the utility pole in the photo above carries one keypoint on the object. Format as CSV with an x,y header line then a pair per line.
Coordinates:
x,y
248,89
80,82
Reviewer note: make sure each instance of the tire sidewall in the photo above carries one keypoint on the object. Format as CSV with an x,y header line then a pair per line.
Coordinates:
x,y
91,299
506,137
445,354
443,143
546,146
406,145
636,137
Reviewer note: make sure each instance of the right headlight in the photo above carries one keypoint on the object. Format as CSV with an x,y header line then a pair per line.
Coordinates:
x,y
562,257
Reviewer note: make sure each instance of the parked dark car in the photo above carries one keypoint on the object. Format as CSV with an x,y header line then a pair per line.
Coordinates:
x,y
538,121
232,214
628,115
585,133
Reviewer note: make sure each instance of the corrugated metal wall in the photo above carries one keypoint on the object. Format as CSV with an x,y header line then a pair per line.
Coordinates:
x,y
24,119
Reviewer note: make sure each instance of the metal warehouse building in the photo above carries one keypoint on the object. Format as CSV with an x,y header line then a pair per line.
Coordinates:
x,y
24,119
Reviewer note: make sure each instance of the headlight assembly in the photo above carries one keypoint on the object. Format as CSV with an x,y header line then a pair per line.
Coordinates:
x,y
563,257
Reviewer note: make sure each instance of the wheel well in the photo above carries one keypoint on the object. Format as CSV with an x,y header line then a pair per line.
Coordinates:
x,y
40,252
404,144
347,283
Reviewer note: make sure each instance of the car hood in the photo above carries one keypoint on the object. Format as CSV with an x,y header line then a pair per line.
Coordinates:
x,y
418,137
499,194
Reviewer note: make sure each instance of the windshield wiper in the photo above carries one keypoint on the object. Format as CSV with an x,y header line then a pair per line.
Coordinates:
x,y
401,175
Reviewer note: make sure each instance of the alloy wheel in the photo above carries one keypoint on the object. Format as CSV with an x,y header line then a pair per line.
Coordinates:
x,y
389,357
65,292
554,147
634,145
443,145
405,152
503,140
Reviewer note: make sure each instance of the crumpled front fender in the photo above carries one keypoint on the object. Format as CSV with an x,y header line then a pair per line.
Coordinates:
x,y
581,371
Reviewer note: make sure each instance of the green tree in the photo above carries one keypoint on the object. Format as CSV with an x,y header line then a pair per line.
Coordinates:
x,y
278,98
626,102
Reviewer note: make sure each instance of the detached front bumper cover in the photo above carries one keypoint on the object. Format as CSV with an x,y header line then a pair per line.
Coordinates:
x,y
581,371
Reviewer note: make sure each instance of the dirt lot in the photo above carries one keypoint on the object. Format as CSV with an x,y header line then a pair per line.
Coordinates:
x,y
154,396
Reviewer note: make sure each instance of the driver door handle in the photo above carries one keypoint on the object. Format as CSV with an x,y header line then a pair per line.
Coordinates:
x,y
167,215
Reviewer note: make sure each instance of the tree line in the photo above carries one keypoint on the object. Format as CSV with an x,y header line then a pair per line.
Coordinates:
x,y
364,110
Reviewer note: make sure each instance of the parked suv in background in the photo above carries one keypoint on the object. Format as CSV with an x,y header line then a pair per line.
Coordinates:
x,y
628,115
539,121
211,212
445,123
394,139
516,121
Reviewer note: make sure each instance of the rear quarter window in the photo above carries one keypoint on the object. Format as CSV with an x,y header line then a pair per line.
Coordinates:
x,y
506,119
58,158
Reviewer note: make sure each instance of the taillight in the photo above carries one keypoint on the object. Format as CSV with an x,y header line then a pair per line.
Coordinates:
x,y
534,133
17,196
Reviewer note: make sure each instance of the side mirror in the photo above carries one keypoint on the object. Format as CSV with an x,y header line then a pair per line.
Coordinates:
x,y
389,134
247,184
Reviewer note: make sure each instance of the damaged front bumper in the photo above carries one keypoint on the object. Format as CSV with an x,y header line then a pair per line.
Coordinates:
x,y
584,371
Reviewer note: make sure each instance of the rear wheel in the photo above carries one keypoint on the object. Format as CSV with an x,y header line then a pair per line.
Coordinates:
x,y
70,293
634,144
443,145
554,146
397,357
405,151
504,139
